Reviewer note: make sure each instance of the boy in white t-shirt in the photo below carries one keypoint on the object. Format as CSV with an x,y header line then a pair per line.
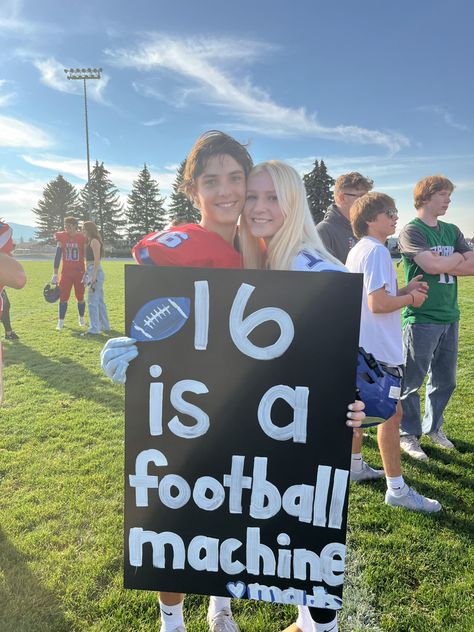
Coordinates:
x,y
373,218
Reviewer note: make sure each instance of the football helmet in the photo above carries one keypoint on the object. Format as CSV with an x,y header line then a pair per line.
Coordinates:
x,y
51,293
379,387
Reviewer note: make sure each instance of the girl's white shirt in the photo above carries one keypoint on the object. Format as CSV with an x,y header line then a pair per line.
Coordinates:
x,y
309,260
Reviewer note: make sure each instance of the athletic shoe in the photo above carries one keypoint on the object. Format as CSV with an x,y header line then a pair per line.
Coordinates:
x,y
12,336
82,322
413,500
60,325
438,437
411,445
327,627
318,627
222,621
367,473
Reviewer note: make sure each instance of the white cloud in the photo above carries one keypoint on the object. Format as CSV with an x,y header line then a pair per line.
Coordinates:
x,y
18,196
16,133
195,61
11,20
380,166
52,75
445,115
121,175
154,122
8,97
103,139
14,24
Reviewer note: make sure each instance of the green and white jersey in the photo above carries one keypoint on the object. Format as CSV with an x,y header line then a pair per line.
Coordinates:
x,y
441,306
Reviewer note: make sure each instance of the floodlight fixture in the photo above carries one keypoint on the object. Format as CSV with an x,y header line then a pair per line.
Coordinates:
x,y
84,74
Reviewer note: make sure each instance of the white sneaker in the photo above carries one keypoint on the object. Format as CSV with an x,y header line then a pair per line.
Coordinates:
x,y
411,445
60,325
82,322
414,501
367,473
326,627
222,621
439,438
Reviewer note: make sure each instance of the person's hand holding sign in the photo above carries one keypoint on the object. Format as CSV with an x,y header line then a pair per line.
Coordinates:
x,y
116,356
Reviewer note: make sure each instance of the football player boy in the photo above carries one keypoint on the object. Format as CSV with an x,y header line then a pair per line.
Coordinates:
x,y
70,249
215,180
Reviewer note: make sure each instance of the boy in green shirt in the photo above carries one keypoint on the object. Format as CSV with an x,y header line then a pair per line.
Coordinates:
x,y
439,251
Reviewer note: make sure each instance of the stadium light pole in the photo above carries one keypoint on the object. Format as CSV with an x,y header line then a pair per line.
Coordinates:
x,y
85,74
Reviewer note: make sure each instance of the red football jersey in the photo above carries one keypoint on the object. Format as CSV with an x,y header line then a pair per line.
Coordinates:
x,y
6,246
73,250
6,242
188,245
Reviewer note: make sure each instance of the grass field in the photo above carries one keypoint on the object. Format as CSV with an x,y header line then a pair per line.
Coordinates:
x,y
61,481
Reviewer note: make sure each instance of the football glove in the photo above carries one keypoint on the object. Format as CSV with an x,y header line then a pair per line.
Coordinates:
x,y
116,356
54,279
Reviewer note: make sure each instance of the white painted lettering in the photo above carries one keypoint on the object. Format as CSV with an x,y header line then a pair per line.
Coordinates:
x,y
240,327
297,398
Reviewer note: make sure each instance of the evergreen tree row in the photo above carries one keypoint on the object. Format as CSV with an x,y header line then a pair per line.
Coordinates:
x,y
144,211
99,200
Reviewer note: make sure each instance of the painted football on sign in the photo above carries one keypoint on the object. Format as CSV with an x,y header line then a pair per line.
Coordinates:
x,y
160,318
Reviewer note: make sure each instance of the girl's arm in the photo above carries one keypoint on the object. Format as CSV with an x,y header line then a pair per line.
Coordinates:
x,y
95,245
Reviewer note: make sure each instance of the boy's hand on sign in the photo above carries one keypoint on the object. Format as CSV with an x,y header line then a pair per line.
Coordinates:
x,y
116,356
355,414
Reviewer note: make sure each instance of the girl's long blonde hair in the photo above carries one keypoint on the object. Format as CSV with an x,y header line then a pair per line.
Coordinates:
x,y
298,230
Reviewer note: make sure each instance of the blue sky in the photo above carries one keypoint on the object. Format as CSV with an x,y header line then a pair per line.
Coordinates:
x,y
380,87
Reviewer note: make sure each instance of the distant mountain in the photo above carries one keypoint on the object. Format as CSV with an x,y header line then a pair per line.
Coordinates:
x,y
22,231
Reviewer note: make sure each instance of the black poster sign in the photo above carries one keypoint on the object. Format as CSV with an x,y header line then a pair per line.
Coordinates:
x,y
237,454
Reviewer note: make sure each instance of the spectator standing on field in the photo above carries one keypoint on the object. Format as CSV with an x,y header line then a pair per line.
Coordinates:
x,y
439,252
94,280
338,237
374,218
335,230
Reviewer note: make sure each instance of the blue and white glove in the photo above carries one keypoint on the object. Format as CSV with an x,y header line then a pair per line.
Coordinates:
x,y
116,356
54,279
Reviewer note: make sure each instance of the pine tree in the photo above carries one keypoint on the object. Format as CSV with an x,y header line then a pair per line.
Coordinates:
x,y
181,210
145,212
318,185
59,200
101,198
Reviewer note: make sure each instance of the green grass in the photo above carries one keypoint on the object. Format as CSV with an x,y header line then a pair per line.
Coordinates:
x,y
61,481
